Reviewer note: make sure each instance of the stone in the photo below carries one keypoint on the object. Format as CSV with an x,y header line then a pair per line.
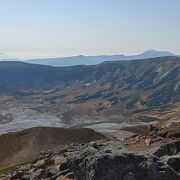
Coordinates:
x,y
148,141
118,165
16,175
63,150
25,167
130,176
63,166
168,149
108,151
174,162
65,172
157,139
94,145
137,139
58,159
39,163
26,177
63,178
174,133
70,175
37,174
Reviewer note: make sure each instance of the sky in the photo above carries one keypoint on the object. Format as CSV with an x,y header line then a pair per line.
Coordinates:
x,y
52,28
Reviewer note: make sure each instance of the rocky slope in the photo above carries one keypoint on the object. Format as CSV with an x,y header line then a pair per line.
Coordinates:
x,y
25,146
154,155
105,160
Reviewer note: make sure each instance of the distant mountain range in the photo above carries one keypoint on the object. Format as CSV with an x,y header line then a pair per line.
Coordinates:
x,y
158,78
93,60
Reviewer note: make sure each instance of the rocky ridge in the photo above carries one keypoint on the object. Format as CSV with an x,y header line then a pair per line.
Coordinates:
x,y
101,160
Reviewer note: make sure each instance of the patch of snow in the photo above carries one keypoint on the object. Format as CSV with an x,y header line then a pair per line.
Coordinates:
x,y
177,86
159,69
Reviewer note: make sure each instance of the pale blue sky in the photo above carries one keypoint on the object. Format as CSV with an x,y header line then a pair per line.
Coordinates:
x,y
33,28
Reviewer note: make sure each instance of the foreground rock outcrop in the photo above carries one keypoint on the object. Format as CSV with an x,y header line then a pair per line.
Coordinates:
x,y
101,160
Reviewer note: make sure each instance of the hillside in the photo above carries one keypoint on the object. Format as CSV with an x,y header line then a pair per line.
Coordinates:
x,y
153,156
139,74
25,146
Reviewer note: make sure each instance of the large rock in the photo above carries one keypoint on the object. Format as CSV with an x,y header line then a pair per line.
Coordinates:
x,y
168,149
174,162
93,164
170,155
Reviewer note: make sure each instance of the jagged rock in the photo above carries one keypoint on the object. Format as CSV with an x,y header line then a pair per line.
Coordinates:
x,y
157,139
137,139
37,174
39,163
65,172
148,141
63,166
108,151
130,176
16,175
70,175
58,159
63,150
174,162
25,177
63,178
174,133
168,149
117,166
25,167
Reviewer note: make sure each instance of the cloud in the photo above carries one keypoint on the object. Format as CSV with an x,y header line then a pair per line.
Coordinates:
x,y
4,56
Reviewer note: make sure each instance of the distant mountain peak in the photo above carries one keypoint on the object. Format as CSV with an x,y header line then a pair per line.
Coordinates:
x,y
158,53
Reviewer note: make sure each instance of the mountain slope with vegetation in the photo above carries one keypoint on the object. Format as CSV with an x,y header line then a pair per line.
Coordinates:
x,y
151,82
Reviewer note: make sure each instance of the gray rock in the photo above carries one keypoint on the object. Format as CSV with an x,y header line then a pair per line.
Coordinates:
x,y
65,172
148,141
94,145
108,151
63,166
16,175
70,175
25,177
130,176
37,174
39,163
168,149
174,162
118,165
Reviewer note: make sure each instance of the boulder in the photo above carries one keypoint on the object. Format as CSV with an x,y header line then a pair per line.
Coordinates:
x,y
168,149
174,162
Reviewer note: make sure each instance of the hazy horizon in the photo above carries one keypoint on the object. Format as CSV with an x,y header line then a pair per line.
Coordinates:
x,y
57,28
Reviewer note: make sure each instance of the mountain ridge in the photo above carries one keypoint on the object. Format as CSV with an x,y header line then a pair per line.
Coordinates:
x,y
94,60
125,88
